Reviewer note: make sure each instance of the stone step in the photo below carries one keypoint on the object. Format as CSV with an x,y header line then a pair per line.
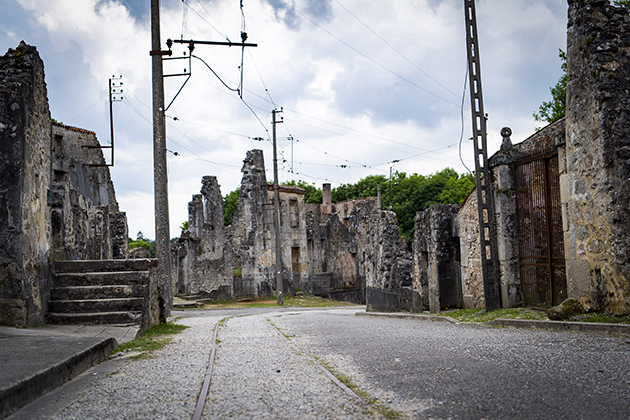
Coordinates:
x,y
96,318
97,292
99,266
101,279
95,305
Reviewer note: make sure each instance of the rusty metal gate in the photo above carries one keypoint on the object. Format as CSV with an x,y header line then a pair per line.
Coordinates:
x,y
540,235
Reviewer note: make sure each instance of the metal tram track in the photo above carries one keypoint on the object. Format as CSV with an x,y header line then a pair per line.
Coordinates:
x,y
205,389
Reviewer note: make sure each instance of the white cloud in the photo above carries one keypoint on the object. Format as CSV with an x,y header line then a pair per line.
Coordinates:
x,y
343,108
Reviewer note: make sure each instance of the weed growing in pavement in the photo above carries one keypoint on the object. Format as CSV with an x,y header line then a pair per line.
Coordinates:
x,y
602,318
479,315
153,339
385,411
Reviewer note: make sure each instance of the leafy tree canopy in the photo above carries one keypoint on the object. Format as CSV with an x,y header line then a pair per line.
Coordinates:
x,y
410,193
313,194
229,206
142,242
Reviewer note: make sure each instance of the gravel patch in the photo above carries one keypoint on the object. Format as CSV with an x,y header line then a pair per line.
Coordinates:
x,y
164,386
258,374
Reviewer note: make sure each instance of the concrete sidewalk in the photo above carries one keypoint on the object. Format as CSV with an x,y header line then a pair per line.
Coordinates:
x,y
36,360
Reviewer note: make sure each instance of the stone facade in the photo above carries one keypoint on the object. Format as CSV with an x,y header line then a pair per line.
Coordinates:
x,y
355,245
239,260
470,253
86,222
54,203
595,187
25,236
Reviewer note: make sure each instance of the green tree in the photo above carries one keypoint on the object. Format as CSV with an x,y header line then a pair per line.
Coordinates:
x,y
365,187
555,109
313,194
184,225
142,242
624,3
230,202
410,193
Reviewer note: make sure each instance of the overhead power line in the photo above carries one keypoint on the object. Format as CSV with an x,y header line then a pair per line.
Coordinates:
x,y
367,57
395,50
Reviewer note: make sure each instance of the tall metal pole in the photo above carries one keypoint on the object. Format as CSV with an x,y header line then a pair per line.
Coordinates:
x,y
276,205
485,200
160,177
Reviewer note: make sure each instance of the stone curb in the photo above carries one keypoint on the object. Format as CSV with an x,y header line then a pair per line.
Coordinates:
x,y
16,395
420,317
592,327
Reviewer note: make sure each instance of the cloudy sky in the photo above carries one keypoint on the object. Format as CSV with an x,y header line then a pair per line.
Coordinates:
x,y
364,85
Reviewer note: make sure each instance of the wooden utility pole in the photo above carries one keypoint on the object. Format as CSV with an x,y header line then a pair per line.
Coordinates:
x,y
160,177
485,202
276,206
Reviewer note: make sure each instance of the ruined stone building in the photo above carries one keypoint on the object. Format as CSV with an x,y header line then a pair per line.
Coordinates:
x,y
58,206
561,196
334,250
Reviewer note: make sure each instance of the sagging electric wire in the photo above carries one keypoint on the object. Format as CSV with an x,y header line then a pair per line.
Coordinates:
x,y
215,73
90,107
461,137
263,83
193,155
366,57
395,50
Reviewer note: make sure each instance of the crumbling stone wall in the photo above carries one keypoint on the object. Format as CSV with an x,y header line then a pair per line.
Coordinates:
x,y
292,236
595,186
86,221
388,264
202,259
246,234
25,237
436,282
470,253
354,245
329,243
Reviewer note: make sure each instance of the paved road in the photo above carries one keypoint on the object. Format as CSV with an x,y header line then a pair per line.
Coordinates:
x,y
437,370
421,369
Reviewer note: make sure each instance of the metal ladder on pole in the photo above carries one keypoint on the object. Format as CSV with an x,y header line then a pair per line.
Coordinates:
x,y
484,187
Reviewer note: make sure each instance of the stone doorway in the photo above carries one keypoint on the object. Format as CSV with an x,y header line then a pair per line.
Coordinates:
x,y
540,234
295,265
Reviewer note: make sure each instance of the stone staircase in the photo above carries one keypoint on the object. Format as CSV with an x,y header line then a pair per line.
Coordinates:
x,y
100,292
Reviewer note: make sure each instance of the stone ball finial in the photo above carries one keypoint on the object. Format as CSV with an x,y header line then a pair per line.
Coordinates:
x,y
506,132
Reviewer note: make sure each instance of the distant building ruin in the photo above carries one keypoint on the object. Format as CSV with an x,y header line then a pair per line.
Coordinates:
x,y
332,250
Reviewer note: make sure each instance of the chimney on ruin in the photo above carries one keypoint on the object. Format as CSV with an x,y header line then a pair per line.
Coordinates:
x,y
326,197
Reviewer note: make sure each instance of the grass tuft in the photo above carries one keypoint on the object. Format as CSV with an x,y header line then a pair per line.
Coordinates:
x,y
153,339
479,315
